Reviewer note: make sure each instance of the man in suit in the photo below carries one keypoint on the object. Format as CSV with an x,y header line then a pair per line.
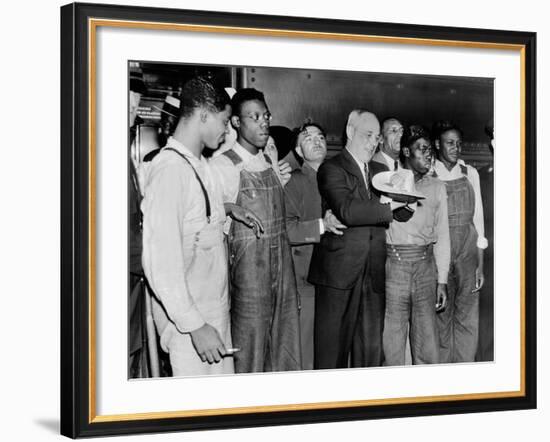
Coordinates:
x,y
349,301
306,223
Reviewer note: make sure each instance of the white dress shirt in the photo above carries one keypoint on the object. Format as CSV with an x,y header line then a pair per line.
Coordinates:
x,y
390,162
473,176
361,165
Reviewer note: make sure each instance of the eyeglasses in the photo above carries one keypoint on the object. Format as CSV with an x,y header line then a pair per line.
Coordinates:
x,y
395,131
267,117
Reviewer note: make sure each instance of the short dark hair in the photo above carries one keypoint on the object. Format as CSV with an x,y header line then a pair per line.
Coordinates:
x,y
303,127
414,133
244,95
200,92
442,126
311,124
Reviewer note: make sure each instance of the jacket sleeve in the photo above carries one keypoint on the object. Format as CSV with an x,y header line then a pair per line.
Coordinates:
x,y
344,201
299,231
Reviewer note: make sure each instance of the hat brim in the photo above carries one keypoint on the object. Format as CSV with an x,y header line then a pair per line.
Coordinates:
x,y
381,182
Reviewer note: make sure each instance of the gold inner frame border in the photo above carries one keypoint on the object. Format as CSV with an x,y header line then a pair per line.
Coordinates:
x,y
93,24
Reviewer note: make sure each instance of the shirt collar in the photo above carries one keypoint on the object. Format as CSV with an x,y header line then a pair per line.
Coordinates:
x,y
389,161
180,147
442,170
245,154
360,163
308,170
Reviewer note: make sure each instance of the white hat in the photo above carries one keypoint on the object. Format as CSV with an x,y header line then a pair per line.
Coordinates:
x,y
398,185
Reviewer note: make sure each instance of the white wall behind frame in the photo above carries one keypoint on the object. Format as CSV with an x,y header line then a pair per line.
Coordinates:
x,y
117,396
30,225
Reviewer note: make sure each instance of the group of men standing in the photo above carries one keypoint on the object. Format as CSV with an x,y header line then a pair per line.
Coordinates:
x,y
256,268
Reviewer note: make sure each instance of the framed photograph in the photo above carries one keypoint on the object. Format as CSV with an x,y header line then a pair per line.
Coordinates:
x,y
273,220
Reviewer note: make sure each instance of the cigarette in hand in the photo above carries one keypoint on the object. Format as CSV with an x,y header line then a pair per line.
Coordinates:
x,y
231,350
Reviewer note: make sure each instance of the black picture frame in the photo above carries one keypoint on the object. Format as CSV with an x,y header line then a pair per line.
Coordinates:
x,y
76,405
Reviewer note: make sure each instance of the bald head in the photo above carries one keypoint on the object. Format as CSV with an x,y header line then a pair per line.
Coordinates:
x,y
363,133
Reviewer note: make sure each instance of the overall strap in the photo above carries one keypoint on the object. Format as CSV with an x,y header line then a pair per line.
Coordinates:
x,y
204,192
233,156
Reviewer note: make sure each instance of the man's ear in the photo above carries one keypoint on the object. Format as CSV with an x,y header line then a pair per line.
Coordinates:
x,y
437,144
235,121
349,132
406,151
203,115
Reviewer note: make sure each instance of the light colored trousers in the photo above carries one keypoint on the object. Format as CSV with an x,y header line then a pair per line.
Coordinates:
x,y
206,273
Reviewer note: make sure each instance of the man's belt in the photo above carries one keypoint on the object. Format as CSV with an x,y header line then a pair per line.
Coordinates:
x,y
409,252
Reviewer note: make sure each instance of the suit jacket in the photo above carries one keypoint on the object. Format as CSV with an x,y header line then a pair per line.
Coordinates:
x,y
378,164
303,210
339,261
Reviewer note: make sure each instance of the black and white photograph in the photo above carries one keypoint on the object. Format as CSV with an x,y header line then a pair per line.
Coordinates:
x,y
284,219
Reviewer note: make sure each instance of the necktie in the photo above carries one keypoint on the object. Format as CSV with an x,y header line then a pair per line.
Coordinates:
x,y
367,185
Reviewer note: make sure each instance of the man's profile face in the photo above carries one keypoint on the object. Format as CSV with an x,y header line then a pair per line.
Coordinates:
x,y
450,145
312,144
365,136
254,120
135,97
392,132
420,156
216,127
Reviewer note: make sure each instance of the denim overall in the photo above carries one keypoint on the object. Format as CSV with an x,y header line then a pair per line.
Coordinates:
x,y
410,298
459,322
264,299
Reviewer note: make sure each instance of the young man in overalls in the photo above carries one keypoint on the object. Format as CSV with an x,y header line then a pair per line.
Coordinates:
x,y
264,299
417,264
459,323
184,255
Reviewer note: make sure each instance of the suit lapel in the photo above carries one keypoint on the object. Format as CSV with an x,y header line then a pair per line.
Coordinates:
x,y
381,162
351,166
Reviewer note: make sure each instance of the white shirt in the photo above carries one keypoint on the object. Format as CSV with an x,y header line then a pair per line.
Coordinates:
x,y
361,165
174,210
473,176
391,162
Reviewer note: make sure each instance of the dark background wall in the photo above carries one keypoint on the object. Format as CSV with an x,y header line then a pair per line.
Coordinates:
x,y
327,97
